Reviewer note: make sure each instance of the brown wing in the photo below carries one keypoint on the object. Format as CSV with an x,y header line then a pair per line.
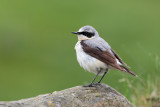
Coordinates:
x,y
104,56
120,60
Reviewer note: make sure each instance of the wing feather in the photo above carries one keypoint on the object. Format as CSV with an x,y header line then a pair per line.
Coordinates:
x,y
106,57
119,59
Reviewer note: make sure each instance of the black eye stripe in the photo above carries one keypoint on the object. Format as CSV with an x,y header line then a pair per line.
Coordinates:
x,y
88,34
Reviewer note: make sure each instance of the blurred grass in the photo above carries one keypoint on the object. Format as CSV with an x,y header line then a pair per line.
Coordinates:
x,y
37,48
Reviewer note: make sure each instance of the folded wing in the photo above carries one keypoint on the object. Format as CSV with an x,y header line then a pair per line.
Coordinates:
x,y
106,57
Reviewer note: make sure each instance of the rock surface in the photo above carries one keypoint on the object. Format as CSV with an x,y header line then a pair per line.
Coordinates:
x,y
98,96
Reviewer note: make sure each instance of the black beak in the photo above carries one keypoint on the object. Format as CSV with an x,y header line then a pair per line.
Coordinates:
x,y
75,33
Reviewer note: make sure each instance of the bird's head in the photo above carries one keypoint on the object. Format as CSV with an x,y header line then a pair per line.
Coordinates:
x,y
86,33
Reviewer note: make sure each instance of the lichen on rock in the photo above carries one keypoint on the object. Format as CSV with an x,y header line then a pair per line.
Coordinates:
x,y
98,96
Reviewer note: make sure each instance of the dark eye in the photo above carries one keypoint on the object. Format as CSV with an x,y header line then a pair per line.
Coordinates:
x,y
88,34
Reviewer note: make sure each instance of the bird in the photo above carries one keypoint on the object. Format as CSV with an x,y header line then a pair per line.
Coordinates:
x,y
95,55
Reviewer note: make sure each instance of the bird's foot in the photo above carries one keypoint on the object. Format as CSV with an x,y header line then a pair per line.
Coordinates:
x,y
97,83
90,85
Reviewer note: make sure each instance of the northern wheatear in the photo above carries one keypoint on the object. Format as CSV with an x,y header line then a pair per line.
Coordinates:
x,y
95,55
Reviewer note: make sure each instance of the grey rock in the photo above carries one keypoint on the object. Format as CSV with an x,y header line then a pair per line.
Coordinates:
x,y
98,96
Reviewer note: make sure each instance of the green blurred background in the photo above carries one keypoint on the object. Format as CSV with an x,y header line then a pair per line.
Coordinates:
x,y
37,53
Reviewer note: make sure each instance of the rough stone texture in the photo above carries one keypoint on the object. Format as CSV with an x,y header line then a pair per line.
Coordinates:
x,y
98,96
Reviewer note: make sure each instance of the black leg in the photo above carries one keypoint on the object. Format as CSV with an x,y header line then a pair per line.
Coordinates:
x,y
91,84
102,76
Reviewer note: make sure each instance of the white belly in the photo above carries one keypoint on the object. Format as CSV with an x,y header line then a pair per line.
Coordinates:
x,y
88,62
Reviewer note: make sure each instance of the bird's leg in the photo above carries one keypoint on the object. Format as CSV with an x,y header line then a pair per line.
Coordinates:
x,y
102,77
91,84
